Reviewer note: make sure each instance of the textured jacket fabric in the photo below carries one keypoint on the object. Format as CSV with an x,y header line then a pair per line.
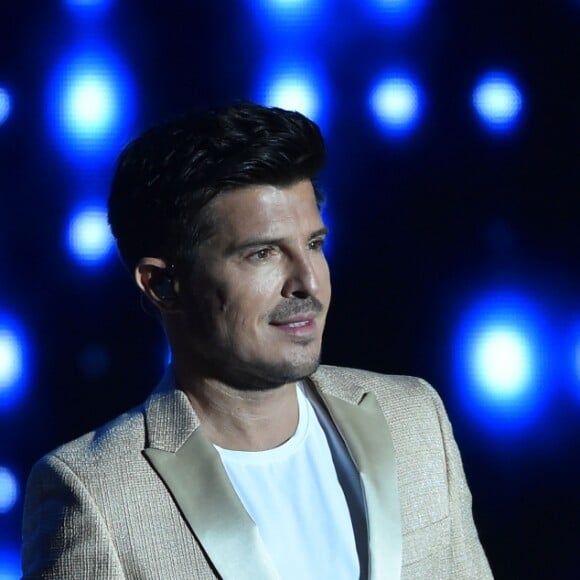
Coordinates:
x,y
144,497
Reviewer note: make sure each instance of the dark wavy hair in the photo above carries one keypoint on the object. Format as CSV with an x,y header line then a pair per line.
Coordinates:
x,y
166,177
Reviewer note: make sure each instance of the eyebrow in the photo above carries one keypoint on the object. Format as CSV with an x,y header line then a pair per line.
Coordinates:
x,y
255,242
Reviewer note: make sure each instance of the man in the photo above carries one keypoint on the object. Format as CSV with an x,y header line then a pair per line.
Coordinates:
x,y
249,461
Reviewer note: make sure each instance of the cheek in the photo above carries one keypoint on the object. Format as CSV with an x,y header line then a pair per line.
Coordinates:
x,y
260,285
251,299
265,288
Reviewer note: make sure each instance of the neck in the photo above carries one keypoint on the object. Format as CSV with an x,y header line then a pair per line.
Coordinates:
x,y
243,420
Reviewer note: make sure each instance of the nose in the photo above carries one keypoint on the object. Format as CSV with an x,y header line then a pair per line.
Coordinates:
x,y
303,276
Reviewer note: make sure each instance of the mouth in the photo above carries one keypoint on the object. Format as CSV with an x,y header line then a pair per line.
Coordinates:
x,y
302,325
298,324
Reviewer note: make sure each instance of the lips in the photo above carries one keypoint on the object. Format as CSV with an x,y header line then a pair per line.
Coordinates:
x,y
296,319
297,325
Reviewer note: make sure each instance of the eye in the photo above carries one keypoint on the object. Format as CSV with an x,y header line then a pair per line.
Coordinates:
x,y
262,254
316,244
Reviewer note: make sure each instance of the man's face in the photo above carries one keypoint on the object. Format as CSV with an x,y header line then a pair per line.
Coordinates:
x,y
258,297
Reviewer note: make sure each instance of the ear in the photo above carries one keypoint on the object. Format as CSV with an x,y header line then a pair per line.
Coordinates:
x,y
152,275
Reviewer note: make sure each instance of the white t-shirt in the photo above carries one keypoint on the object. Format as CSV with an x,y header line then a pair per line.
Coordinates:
x,y
293,494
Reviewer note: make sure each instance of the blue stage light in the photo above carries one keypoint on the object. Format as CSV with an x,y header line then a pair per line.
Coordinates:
x,y
5,105
288,4
91,105
397,12
577,360
9,490
10,563
10,358
287,12
12,362
294,90
498,101
88,4
89,237
573,347
396,104
502,361
576,363
499,361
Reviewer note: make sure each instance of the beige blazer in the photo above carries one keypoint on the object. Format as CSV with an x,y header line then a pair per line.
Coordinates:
x,y
147,497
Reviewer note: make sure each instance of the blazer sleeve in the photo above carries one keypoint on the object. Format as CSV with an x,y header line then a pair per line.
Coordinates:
x,y
466,555
64,534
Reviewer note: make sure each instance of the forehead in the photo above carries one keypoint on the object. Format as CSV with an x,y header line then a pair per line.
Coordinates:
x,y
266,210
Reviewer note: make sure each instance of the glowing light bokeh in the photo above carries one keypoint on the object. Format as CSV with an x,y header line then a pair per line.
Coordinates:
x,y
287,13
397,12
10,563
89,237
294,88
91,105
288,4
498,101
396,103
88,3
499,361
502,361
9,490
5,105
573,348
88,6
10,359
12,362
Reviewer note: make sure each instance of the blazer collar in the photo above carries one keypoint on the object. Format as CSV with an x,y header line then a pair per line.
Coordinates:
x,y
169,417
361,423
191,469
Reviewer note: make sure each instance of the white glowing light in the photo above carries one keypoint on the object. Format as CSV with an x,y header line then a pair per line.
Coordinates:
x,y
396,104
502,361
294,92
10,360
498,101
90,239
90,105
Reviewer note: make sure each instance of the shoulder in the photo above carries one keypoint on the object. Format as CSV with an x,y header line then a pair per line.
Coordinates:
x,y
420,431
397,390
411,406
121,440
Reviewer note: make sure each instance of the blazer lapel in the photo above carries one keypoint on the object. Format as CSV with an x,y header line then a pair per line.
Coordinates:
x,y
194,475
361,423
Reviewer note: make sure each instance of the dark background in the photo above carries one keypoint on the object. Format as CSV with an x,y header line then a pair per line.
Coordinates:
x,y
422,225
